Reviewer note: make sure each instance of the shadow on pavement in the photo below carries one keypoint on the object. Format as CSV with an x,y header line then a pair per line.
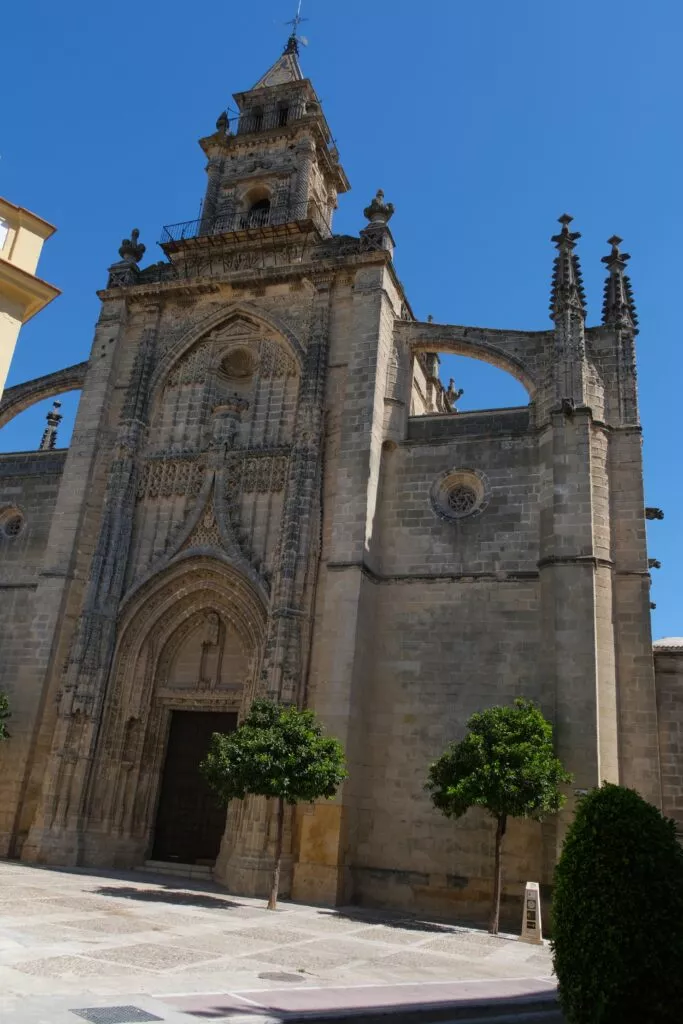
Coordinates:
x,y
405,923
175,896
539,1007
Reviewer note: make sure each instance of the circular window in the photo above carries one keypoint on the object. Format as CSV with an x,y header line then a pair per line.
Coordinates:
x,y
461,500
459,493
238,364
12,524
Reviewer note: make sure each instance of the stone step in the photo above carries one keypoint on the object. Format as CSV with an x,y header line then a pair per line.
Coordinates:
x,y
165,867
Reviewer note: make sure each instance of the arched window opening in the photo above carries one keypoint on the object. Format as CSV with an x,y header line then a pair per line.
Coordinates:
x,y
444,384
256,209
282,114
45,426
259,213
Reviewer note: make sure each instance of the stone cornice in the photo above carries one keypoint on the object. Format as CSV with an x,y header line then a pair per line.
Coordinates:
x,y
519,576
254,277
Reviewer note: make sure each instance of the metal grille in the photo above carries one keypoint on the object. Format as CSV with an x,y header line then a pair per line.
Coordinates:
x,y
115,1015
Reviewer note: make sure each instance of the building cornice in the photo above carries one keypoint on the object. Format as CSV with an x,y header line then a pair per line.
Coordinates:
x,y
26,218
30,292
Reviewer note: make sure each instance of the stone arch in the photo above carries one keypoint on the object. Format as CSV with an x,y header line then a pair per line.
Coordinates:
x,y
22,396
254,316
154,624
515,352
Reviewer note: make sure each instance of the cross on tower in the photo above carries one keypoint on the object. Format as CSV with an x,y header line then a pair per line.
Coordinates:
x,y
295,39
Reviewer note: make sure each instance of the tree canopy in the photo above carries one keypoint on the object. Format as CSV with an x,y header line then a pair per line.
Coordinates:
x,y
278,751
618,913
505,764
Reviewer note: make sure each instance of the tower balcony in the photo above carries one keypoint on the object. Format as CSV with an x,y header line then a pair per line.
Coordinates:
x,y
241,226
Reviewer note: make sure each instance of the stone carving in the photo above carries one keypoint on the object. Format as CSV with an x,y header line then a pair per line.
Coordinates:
x,y
459,493
166,478
132,250
275,362
461,500
212,649
263,473
192,369
206,533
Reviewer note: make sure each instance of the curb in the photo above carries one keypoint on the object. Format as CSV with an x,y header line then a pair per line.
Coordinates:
x,y
538,1009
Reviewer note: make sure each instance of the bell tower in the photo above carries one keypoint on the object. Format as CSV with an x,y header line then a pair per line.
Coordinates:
x,y
272,167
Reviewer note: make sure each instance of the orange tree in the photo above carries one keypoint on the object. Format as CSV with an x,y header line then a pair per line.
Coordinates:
x,y
505,764
279,752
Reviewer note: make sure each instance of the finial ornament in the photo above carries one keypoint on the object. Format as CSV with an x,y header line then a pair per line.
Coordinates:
x,y
48,441
618,308
379,212
131,250
453,394
567,293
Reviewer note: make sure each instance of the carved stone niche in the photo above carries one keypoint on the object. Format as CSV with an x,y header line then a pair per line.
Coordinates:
x,y
205,653
226,419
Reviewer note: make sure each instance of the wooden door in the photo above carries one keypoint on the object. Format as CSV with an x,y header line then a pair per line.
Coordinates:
x,y
190,821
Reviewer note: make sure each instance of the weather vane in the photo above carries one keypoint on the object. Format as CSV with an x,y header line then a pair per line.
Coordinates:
x,y
295,22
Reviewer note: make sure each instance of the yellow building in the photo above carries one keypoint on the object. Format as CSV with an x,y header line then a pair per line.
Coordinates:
x,y
22,293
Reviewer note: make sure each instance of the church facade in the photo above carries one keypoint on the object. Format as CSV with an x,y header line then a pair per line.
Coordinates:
x,y
269,491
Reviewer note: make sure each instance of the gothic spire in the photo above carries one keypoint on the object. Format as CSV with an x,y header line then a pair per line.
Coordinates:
x,y
48,442
567,294
618,308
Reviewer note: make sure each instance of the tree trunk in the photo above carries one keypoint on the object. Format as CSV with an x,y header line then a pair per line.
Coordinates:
x,y
501,825
272,902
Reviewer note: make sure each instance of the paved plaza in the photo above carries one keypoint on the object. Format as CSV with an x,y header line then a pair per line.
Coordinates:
x,y
181,950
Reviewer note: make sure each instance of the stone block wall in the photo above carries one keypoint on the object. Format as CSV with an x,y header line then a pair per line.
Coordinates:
x,y
29,482
669,683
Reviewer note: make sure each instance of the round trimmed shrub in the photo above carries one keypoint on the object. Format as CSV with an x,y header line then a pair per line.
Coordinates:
x,y
618,913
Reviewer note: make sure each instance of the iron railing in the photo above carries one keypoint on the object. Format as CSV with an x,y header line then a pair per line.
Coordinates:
x,y
207,227
263,120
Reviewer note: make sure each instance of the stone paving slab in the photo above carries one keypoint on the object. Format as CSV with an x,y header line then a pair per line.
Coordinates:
x,y
72,938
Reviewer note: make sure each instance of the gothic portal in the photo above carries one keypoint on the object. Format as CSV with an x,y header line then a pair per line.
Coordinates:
x,y
270,491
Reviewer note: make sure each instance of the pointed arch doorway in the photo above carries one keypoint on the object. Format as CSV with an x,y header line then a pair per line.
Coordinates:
x,y
189,821
188,653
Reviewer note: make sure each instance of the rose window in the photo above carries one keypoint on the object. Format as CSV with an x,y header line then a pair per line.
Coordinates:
x,y
461,500
12,525
459,493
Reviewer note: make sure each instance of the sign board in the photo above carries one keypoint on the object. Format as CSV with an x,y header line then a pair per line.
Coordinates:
x,y
531,915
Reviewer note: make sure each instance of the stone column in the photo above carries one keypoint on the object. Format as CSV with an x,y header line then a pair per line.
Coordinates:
x,y
209,208
346,599
576,594
305,152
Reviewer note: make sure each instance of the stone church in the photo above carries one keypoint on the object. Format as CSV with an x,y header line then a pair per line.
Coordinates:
x,y
270,491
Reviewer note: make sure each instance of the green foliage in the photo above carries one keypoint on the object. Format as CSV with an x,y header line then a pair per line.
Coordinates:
x,y
505,763
618,913
278,751
4,715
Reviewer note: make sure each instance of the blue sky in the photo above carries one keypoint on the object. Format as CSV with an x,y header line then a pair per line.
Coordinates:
x,y
482,123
